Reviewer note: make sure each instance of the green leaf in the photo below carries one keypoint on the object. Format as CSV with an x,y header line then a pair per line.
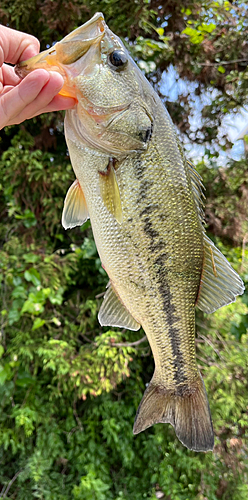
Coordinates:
x,y
195,36
38,322
14,313
19,292
34,303
160,31
227,6
5,373
28,218
56,297
33,275
207,27
221,69
190,31
31,257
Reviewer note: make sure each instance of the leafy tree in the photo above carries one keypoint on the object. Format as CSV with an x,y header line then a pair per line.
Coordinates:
x,y
69,389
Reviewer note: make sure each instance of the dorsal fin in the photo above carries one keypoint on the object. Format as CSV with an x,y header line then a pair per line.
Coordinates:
x,y
197,187
220,284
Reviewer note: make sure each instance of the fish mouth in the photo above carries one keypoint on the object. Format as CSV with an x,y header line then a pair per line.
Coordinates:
x,y
62,56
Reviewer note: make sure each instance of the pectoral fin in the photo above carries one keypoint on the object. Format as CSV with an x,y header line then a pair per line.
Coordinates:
x,y
110,192
219,282
75,211
113,312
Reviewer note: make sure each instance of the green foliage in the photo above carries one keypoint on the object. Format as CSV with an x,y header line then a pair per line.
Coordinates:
x,y
197,35
69,389
227,201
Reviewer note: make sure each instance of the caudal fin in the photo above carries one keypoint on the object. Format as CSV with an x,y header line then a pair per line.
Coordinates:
x,y
187,409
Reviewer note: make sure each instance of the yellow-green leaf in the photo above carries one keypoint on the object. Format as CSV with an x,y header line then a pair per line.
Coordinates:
x,y
38,322
160,31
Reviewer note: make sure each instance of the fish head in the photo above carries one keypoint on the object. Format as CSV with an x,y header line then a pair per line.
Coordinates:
x,y
113,112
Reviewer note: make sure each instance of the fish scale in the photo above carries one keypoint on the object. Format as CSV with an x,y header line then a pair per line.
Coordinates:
x,y
144,201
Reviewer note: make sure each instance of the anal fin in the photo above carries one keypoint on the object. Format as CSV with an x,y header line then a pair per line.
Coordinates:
x,y
220,284
114,313
75,211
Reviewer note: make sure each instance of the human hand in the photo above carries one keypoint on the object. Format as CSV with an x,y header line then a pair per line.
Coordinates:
x,y
37,92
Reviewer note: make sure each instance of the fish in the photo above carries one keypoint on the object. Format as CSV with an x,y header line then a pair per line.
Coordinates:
x,y
145,204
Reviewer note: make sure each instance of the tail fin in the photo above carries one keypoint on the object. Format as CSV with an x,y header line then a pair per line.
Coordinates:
x,y
186,408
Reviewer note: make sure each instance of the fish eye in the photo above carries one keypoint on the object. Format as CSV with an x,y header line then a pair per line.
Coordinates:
x,y
118,59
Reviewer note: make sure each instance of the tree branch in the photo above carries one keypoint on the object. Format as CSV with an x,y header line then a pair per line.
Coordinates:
x,y
10,483
211,344
129,344
222,63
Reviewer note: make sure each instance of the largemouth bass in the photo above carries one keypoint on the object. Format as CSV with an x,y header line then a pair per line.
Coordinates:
x,y
144,201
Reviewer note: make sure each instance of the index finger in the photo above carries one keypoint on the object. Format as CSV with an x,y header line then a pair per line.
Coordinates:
x,y
16,46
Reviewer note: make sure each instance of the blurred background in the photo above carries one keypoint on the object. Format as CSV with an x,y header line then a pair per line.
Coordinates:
x,y
69,389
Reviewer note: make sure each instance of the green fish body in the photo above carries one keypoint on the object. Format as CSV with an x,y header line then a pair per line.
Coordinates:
x,y
144,202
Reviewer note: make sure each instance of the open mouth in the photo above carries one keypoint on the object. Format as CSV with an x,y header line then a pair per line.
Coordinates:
x,y
63,55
